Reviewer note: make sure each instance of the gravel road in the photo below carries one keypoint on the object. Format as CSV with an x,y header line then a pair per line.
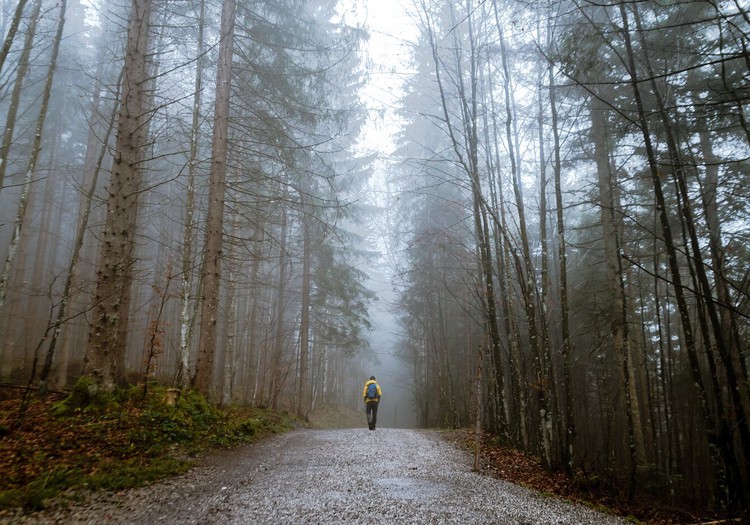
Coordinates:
x,y
346,477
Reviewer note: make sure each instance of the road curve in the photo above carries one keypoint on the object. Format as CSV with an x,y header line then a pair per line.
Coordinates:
x,y
345,477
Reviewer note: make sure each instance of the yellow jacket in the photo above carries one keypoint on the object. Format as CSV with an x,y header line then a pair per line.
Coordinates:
x,y
364,392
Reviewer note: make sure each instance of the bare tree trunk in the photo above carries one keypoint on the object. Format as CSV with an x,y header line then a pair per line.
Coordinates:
x,y
303,394
254,353
40,241
95,153
719,454
736,379
104,362
556,438
277,349
504,256
319,377
617,308
211,267
15,97
10,126
50,224
526,273
492,159
671,429
569,456
31,167
478,420
230,330
8,43
186,324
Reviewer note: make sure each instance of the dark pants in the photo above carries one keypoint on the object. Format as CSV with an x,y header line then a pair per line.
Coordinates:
x,y
372,414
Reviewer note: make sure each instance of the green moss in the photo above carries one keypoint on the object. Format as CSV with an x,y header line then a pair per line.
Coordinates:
x,y
249,427
135,473
123,440
48,485
86,397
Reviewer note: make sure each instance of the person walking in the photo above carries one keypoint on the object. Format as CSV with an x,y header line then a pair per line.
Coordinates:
x,y
371,395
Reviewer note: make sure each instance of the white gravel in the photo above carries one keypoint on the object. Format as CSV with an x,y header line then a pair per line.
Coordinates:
x,y
347,477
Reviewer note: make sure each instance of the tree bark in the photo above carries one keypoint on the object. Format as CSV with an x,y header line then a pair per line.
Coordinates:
x,y
556,437
569,457
95,153
104,362
717,450
212,253
277,350
36,148
303,394
526,274
735,377
9,38
188,258
617,308
10,126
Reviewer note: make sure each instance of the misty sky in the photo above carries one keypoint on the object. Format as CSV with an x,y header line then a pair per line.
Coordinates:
x,y
390,28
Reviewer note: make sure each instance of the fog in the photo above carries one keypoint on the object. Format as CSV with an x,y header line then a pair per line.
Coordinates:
x,y
534,216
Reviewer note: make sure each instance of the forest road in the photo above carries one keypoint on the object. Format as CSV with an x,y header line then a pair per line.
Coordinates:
x,y
348,477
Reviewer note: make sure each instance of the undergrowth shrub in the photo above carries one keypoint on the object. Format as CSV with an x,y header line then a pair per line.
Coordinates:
x,y
120,440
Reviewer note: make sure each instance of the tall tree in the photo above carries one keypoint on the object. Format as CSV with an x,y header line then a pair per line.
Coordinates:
x,y
95,153
568,455
10,127
186,320
718,450
304,398
105,352
10,38
212,252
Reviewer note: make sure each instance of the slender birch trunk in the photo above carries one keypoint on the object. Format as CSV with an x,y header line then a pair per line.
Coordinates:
x,y
504,262
556,439
188,260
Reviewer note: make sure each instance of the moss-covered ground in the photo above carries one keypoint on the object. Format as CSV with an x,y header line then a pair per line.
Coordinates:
x,y
65,443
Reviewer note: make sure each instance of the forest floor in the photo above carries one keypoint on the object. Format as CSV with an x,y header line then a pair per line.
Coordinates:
x,y
51,450
508,464
45,457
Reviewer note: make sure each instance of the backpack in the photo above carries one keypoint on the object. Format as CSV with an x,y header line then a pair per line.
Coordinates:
x,y
372,391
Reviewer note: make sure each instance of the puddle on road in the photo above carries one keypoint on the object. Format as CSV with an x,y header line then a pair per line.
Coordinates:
x,y
411,488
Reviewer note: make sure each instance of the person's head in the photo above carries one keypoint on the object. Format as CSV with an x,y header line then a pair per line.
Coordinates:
x,y
372,378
